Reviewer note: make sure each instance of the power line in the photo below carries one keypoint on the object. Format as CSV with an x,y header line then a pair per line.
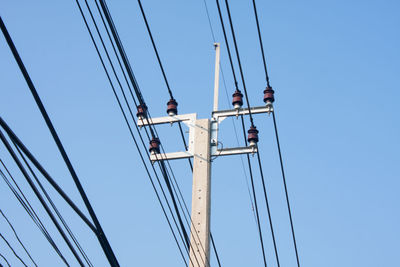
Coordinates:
x,y
17,237
251,119
286,190
12,249
161,165
254,196
227,96
170,93
239,63
261,43
155,49
69,231
127,122
252,124
29,209
14,138
227,44
100,233
268,209
242,120
162,70
4,258
124,96
39,196
276,135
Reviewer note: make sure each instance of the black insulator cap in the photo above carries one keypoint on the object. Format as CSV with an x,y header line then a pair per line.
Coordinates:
x,y
141,111
237,100
269,95
253,135
154,145
172,107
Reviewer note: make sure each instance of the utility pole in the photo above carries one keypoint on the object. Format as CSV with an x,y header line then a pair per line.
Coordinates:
x,y
203,144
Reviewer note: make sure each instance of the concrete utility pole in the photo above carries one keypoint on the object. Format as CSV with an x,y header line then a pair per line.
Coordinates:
x,y
203,144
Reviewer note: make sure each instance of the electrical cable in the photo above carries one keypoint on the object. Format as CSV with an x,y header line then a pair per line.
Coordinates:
x,y
170,93
4,258
31,212
162,70
286,190
155,48
13,251
227,97
71,234
116,76
268,209
226,93
261,43
45,174
252,124
241,157
100,233
254,196
227,44
162,167
276,134
242,120
209,20
39,196
239,62
129,127
17,237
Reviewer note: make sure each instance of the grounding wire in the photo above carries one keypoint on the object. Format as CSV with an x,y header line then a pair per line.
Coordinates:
x,y
100,233
13,250
131,133
227,44
31,212
17,237
71,234
209,20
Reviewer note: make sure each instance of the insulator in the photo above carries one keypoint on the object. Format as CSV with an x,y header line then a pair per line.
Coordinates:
x,y
172,109
154,146
237,100
253,136
269,95
141,111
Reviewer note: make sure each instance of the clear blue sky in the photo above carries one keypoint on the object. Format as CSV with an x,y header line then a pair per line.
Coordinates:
x,y
335,68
